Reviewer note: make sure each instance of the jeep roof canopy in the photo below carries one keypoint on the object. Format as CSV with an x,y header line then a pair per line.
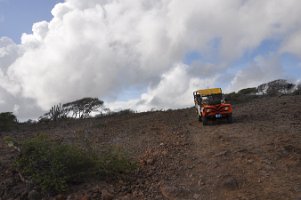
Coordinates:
x,y
208,92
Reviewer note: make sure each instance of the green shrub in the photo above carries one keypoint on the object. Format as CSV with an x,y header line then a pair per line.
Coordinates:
x,y
236,98
11,142
8,140
121,112
8,121
115,161
247,91
53,166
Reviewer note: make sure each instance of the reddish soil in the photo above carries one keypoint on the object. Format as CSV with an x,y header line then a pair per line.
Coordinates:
x,y
258,156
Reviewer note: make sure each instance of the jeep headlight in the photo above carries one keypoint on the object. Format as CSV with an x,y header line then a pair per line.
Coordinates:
x,y
208,110
226,108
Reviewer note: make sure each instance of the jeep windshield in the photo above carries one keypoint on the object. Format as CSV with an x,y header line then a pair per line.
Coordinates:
x,y
213,99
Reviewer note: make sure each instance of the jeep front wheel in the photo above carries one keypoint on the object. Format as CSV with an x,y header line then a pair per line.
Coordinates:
x,y
200,118
229,119
205,121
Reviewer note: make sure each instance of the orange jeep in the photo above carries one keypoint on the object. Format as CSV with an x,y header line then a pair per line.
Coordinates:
x,y
210,105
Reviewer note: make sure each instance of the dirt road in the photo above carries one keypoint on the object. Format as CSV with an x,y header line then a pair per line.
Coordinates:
x,y
256,157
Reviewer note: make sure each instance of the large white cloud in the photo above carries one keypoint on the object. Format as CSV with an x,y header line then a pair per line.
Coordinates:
x,y
101,48
174,90
293,43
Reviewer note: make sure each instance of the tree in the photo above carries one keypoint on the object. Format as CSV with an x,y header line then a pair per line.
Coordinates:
x,y
83,107
56,112
7,121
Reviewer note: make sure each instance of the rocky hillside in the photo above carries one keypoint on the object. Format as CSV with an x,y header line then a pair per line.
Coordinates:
x,y
277,87
270,89
256,157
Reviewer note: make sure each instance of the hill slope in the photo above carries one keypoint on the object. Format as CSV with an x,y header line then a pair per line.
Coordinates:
x,y
256,157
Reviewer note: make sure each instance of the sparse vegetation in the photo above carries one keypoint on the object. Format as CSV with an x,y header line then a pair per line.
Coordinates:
x,y
53,166
9,141
115,161
122,112
273,88
81,156
240,97
248,91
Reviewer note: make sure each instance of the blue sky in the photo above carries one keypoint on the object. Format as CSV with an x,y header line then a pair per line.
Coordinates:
x,y
18,16
142,54
291,63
